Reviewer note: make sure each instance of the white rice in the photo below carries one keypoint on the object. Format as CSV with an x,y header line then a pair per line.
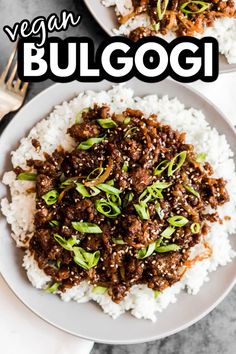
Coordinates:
x,y
51,132
224,29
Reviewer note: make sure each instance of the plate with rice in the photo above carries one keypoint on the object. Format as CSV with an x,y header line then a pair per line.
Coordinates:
x,y
118,208
168,19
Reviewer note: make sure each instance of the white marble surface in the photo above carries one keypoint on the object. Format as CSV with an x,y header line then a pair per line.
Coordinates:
x,y
21,331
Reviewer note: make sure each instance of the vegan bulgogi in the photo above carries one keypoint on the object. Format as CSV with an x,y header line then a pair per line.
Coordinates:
x,y
184,18
124,207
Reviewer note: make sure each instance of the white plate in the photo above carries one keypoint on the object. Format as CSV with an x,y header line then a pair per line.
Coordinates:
x,y
88,320
106,18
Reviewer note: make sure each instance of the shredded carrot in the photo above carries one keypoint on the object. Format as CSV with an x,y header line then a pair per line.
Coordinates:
x,y
200,257
103,177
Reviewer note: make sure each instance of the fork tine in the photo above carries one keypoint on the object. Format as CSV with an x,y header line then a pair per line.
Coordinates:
x,y
7,68
17,84
24,89
12,76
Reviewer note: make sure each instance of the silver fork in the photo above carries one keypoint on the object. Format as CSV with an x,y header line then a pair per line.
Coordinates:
x,y
12,89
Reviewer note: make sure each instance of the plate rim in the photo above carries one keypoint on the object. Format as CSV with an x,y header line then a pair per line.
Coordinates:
x,y
225,70
141,340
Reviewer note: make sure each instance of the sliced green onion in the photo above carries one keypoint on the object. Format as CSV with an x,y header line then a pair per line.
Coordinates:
x,y
81,189
108,189
127,120
168,248
176,163
114,198
125,166
158,242
26,176
142,210
85,259
203,6
161,8
161,167
53,288
111,182
87,144
147,251
151,193
201,157
156,26
107,123
54,223
118,241
156,294
66,243
159,211
130,131
195,228
168,232
107,208
128,198
68,182
51,197
96,173
178,221
161,185
99,290
58,264
86,227
84,192
192,190
79,115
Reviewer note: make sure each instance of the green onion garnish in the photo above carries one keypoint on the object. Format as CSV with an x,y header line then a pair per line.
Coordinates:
x,y
161,185
128,198
177,221
86,227
68,182
176,163
151,193
51,197
192,191
107,188
66,243
96,173
125,166
130,132
53,288
156,26
81,189
58,264
195,228
142,210
87,144
161,8
168,232
201,157
26,176
168,248
156,294
159,211
118,241
147,251
85,259
99,290
107,208
202,7
54,223
107,123
79,115
127,120
114,198
161,167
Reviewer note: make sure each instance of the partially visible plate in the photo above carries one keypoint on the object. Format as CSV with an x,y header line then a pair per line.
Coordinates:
x,y
106,18
87,320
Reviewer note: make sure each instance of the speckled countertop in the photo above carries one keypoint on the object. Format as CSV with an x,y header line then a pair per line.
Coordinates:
x,y
215,334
